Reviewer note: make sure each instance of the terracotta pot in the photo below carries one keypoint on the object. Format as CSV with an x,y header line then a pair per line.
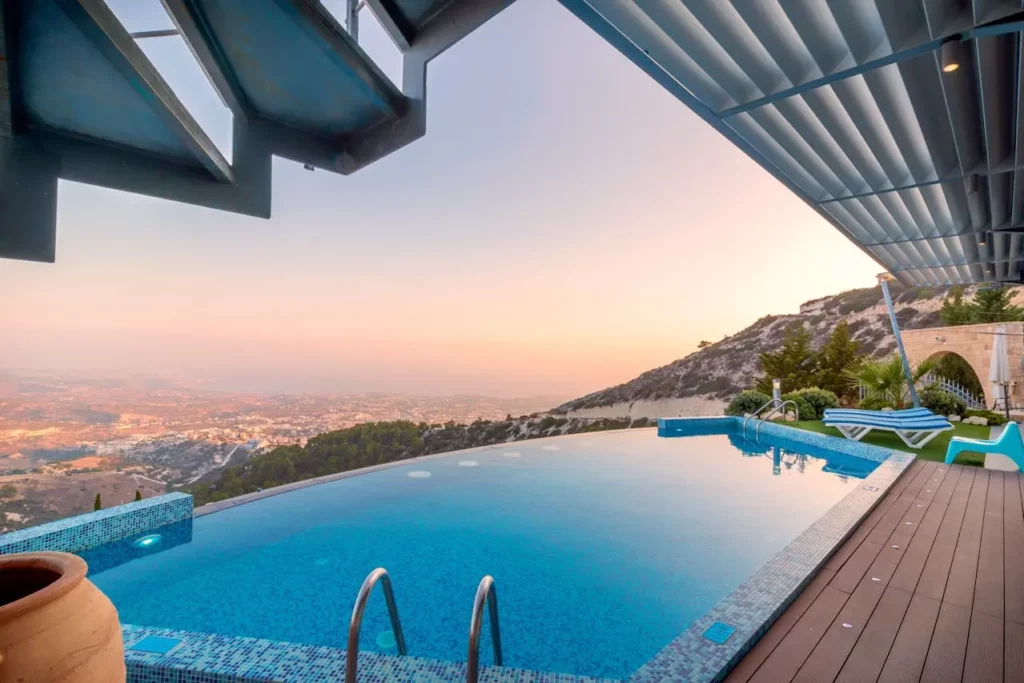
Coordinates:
x,y
55,626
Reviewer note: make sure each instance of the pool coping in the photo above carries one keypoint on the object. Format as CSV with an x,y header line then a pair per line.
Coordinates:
x,y
746,613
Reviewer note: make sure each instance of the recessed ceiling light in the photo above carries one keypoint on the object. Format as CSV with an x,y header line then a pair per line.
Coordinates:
x,y
951,56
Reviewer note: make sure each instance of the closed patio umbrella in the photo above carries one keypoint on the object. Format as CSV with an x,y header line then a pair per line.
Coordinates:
x,y
999,370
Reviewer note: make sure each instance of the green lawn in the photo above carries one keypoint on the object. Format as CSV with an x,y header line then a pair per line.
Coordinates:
x,y
933,450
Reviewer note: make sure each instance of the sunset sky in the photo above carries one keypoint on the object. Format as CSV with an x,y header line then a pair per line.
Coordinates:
x,y
564,225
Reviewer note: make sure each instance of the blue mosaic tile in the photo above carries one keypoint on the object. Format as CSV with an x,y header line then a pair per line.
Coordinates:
x,y
96,528
207,658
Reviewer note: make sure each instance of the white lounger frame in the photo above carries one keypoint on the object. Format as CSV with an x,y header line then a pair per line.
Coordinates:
x,y
914,438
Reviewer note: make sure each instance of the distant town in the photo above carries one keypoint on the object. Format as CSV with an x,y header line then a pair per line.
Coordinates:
x,y
65,438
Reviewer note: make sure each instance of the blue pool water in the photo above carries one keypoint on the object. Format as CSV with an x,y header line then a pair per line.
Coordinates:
x,y
604,547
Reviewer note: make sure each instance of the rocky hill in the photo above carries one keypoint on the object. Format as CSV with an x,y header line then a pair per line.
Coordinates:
x,y
704,381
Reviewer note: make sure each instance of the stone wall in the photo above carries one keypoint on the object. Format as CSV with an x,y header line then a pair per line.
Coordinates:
x,y
974,344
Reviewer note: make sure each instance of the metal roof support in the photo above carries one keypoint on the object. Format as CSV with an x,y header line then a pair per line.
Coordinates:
x,y
28,197
948,179
393,22
6,122
459,19
883,280
896,57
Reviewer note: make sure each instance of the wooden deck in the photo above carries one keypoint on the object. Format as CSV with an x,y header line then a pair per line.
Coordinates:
x,y
930,587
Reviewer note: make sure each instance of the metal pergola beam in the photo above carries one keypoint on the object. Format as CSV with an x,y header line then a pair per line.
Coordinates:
x,y
960,264
927,183
393,22
896,57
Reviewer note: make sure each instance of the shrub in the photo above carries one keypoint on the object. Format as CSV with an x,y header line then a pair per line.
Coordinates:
x,y
992,417
819,400
805,407
942,402
746,402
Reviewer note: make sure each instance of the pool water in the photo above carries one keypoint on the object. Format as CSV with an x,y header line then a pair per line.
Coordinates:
x,y
604,547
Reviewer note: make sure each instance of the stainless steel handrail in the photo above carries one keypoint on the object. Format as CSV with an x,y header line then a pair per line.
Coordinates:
x,y
352,655
781,406
754,415
485,592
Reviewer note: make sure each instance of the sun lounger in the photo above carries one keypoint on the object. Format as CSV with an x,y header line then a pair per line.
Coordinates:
x,y
915,431
909,412
1009,443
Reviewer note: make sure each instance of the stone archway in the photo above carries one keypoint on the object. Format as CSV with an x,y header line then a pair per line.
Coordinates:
x,y
973,343
979,390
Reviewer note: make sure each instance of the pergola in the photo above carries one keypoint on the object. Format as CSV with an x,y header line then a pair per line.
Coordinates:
x,y
898,121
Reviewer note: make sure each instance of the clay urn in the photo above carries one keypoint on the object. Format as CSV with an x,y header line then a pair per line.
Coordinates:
x,y
55,625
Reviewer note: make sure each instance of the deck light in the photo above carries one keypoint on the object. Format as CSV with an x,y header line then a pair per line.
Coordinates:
x,y
981,239
951,56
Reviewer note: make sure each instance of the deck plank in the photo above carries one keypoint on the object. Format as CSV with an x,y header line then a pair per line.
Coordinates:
x,y
784,662
945,661
867,526
742,672
984,661
1013,550
930,587
936,569
864,665
910,649
831,652
1013,652
963,572
988,587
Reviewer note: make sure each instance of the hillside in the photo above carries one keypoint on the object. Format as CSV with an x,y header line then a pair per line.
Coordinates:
x,y
703,382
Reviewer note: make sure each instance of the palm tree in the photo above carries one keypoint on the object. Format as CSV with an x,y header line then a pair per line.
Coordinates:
x,y
885,380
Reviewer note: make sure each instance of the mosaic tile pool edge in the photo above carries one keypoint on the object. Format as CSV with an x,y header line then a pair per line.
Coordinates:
x,y
82,532
753,607
206,658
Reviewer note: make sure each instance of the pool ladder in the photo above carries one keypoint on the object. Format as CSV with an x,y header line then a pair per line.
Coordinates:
x,y
486,595
778,405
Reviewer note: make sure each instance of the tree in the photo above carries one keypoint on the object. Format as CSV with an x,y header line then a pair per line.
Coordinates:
x,y
994,305
97,504
990,305
838,354
703,344
795,363
8,491
884,380
954,311
138,494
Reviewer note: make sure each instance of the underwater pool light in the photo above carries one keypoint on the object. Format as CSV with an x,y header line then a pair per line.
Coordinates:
x,y
148,541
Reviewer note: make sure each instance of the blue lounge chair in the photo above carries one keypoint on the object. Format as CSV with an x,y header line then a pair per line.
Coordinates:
x,y
909,412
1009,444
915,430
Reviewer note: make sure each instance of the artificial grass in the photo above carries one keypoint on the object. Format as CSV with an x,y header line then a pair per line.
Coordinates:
x,y
933,450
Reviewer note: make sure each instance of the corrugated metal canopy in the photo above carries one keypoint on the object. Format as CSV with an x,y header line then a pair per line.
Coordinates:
x,y
846,102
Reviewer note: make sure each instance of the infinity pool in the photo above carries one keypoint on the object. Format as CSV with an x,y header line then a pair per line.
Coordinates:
x,y
604,547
